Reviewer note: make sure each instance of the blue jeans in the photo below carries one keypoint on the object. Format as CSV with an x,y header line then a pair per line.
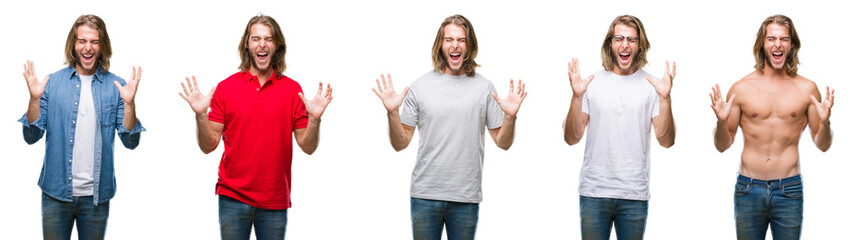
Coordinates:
x,y
429,216
778,203
57,218
598,214
236,218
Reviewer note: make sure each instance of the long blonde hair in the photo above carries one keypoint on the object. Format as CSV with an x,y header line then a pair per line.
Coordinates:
x,y
791,64
278,62
643,43
96,23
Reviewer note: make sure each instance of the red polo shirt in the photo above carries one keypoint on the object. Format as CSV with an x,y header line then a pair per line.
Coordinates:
x,y
258,136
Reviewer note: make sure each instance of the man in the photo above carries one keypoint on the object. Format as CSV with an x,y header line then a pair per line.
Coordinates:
x,y
773,105
618,108
80,108
255,111
451,106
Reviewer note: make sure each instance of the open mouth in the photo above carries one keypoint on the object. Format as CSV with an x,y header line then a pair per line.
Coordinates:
x,y
624,56
455,56
262,56
88,57
777,56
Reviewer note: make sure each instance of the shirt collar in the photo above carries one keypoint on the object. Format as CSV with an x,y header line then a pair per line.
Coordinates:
x,y
248,76
99,75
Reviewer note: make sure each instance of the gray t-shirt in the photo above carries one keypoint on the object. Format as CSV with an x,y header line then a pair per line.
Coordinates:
x,y
451,113
617,148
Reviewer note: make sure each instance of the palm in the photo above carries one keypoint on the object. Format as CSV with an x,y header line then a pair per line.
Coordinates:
x,y
192,94
823,108
722,108
578,84
391,100
36,87
663,86
316,107
128,92
511,104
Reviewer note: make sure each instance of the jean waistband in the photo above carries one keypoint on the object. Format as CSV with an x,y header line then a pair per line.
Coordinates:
x,y
782,182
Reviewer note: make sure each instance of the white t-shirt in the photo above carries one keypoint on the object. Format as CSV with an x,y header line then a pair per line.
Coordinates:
x,y
617,147
82,161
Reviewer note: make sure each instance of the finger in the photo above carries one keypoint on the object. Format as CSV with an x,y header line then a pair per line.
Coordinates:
x,y
732,98
212,91
195,83
117,84
712,99
186,91
303,100
667,68
44,82
522,86
717,90
133,74
376,93
139,73
328,92
378,85
815,101
319,91
405,92
652,82
674,70
495,97
510,86
588,80
185,98
390,81
384,81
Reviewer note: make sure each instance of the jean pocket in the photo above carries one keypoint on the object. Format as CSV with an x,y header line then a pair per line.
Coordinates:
x,y
742,189
793,191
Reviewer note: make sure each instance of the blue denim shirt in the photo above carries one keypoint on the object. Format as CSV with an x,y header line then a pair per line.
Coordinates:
x,y
58,117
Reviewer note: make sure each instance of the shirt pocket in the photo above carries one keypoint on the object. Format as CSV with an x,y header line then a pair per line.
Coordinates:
x,y
108,111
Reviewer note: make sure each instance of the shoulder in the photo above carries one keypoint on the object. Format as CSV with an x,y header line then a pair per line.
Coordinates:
x,y
109,77
744,84
289,82
805,83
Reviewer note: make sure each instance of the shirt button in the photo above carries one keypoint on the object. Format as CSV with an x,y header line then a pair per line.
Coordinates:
x,y
72,140
258,89
75,103
73,122
78,86
69,160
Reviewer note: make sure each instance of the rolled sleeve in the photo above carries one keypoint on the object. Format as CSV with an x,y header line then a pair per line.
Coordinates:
x,y
33,131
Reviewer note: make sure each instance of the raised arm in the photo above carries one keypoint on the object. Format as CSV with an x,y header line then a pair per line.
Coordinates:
x,y
666,131
400,134
308,138
818,115
728,114
128,95
209,132
504,136
34,107
576,120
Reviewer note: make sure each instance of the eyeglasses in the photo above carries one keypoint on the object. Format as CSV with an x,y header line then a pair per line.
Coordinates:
x,y
619,39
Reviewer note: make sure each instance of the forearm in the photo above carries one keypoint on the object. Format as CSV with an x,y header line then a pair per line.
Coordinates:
x,y
206,140
574,127
33,110
667,133
824,136
398,137
310,139
129,115
723,140
505,137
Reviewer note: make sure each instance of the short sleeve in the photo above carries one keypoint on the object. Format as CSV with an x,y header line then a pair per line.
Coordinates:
x,y
655,111
495,115
410,112
585,102
300,117
217,106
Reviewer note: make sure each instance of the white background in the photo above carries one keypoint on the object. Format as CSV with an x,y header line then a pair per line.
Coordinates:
x,y
355,186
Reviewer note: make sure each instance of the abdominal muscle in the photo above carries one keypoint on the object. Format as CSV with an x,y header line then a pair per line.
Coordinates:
x,y
771,147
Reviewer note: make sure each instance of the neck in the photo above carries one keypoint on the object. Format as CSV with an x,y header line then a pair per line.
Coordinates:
x,y
623,72
262,76
82,71
771,73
